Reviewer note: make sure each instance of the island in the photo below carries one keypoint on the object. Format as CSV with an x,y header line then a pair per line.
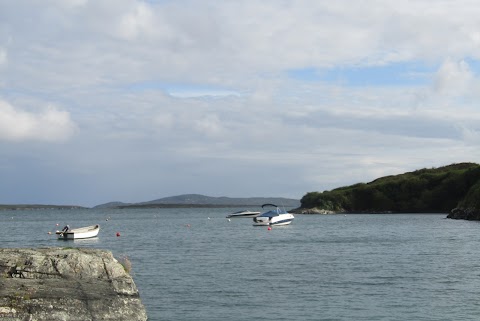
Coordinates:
x,y
452,189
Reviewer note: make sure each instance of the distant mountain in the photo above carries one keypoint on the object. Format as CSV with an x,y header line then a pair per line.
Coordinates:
x,y
197,200
111,205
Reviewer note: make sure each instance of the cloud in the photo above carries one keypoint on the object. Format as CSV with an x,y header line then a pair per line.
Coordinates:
x,y
137,22
314,93
209,125
73,3
50,125
454,78
270,35
232,43
164,120
3,57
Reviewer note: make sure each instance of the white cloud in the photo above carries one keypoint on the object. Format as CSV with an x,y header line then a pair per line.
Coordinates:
x,y
70,3
209,125
50,125
471,134
164,120
170,85
454,78
139,21
3,57
221,42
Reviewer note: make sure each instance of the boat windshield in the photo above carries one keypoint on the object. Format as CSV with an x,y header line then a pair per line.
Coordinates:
x,y
273,213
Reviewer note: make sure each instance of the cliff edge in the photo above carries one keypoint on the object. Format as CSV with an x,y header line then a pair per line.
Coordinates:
x,y
68,284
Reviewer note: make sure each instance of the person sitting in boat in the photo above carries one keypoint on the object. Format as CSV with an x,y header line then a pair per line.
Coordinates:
x,y
65,229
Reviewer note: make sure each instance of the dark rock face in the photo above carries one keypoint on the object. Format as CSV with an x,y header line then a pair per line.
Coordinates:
x,y
470,214
68,284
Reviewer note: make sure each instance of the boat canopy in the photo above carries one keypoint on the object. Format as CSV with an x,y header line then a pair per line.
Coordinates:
x,y
273,213
264,205
269,214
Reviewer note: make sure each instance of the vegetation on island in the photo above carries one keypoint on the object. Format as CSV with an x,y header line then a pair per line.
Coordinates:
x,y
435,190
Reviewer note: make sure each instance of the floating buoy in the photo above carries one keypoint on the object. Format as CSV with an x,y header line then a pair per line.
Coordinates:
x,y
49,233
118,234
229,220
269,228
55,224
208,217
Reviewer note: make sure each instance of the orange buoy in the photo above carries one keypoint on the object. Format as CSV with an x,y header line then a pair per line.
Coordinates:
x,y
269,228
118,234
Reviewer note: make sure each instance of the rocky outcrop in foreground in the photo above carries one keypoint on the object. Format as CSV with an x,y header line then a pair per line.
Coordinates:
x,y
459,213
68,284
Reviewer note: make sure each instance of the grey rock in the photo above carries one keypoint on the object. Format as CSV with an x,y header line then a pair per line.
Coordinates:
x,y
314,210
67,284
460,213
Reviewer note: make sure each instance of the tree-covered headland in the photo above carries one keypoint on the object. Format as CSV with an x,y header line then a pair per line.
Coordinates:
x,y
435,190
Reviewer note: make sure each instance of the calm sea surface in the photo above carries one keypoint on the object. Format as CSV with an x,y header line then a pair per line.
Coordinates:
x,y
194,264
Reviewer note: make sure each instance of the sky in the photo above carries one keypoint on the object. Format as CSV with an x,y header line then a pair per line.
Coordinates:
x,y
128,100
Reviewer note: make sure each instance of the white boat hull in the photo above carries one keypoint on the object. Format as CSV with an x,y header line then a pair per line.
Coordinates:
x,y
79,233
243,214
282,219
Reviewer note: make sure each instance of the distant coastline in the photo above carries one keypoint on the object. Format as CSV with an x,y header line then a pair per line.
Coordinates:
x,y
22,207
183,206
202,201
180,201
453,189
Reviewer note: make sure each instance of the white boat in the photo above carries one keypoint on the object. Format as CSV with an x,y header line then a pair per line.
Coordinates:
x,y
78,233
275,217
245,213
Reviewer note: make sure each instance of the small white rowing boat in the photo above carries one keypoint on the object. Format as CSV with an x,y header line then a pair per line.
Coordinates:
x,y
79,233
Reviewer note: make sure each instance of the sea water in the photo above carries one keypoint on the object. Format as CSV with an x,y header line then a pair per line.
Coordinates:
x,y
194,264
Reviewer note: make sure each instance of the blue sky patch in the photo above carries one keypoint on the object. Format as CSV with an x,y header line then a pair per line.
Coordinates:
x,y
397,74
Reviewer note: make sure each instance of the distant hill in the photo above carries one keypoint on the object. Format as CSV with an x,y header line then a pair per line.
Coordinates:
x,y
37,207
111,205
426,190
197,200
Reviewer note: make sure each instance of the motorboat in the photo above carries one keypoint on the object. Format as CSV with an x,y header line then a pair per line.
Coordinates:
x,y
78,233
245,213
277,216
